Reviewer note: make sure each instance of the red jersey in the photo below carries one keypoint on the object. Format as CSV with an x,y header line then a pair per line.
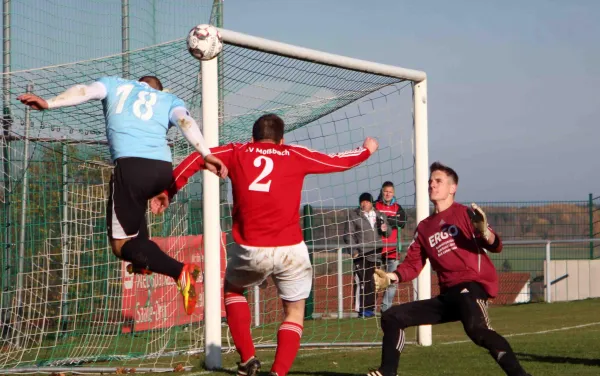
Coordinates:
x,y
391,242
448,240
267,184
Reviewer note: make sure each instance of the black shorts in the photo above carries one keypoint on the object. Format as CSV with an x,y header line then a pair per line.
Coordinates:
x,y
134,181
466,302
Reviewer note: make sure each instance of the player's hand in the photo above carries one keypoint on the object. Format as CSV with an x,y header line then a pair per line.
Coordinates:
x,y
216,166
159,203
383,279
479,221
33,101
371,144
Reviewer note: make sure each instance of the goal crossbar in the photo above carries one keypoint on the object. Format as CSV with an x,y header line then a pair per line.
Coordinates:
x,y
315,56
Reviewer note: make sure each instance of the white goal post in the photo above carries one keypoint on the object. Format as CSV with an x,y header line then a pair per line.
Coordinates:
x,y
211,189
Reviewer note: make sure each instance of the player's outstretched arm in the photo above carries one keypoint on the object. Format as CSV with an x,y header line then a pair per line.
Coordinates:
x,y
182,174
73,96
316,162
181,117
414,261
194,163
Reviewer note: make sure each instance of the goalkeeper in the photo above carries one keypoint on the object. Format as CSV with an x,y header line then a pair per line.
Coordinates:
x,y
455,239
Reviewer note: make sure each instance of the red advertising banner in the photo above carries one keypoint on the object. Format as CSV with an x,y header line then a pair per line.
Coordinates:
x,y
153,301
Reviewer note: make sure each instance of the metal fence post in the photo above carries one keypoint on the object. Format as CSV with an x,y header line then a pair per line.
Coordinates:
x,y
308,239
256,306
548,274
591,216
340,283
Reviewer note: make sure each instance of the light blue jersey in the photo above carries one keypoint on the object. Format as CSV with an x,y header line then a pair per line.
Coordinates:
x,y
137,119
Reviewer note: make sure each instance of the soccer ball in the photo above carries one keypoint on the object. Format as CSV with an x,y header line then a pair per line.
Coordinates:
x,y
204,42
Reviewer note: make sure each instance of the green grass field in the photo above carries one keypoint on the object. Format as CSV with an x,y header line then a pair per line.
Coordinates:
x,y
549,339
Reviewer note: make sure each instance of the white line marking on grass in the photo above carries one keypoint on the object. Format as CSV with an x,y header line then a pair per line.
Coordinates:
x,y
265,363
316,352
531,333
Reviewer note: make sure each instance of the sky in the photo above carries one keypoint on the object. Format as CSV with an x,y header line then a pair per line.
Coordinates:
x,y
512,85
511,99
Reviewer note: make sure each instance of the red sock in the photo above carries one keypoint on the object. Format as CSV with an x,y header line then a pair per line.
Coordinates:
x,y
239,320
288,343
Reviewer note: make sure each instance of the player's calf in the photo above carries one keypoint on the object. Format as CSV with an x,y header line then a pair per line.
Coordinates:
x,y
499,349
239,320
145,254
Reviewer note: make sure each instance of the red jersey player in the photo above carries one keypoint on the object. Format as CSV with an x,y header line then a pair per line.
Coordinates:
x,y
267,177
454,239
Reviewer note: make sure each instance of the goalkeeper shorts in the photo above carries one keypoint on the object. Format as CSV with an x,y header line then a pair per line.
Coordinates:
x,y
289,267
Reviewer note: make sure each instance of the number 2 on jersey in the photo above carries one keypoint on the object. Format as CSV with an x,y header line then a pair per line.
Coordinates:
x,y
145,100
267,169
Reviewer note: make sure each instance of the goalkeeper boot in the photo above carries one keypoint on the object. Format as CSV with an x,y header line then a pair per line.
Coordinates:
x,y
249,367
137,270
375,372
187,286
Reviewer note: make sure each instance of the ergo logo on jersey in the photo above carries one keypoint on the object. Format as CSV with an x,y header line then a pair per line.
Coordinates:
x,y
440,236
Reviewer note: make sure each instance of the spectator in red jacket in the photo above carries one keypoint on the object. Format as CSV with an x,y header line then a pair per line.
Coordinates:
x,y
386,203
455,239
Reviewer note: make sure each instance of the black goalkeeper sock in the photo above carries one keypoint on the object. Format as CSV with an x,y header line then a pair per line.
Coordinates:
x,y
392,344
144,253
509,363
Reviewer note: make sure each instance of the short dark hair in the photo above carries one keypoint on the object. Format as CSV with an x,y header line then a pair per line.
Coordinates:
x,y
387,184
153,81
437,166
268,127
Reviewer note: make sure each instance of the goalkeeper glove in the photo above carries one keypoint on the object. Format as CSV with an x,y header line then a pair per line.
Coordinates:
x,y
479,221
383,279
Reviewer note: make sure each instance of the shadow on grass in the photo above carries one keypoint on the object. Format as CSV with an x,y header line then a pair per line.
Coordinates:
x,y
325,373
558,359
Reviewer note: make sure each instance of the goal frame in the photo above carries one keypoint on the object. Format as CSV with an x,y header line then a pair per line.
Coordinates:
x,y
211,189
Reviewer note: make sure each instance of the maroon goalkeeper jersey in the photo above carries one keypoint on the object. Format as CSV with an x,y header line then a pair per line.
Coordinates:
x,y
267,184
448,240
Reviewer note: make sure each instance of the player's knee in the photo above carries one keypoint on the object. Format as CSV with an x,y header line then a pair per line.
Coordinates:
x,y
392,319
230,287
117,245
481,336
294,311
136,250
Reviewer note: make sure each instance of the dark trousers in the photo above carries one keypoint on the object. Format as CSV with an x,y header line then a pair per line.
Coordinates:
x,y
364,285
467,303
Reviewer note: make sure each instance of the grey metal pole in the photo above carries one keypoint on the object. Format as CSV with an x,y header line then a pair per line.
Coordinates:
x,y
64,238
6,125
216,18
549,275
6,52
23,217
125,37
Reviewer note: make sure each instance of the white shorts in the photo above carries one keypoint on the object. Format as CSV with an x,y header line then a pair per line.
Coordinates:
x,y
289,266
